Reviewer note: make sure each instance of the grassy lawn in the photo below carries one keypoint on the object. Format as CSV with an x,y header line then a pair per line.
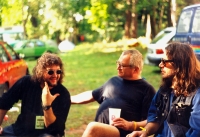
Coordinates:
x,y
88,67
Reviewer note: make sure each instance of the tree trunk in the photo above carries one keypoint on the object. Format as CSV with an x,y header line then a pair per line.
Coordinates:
x,y
24,24
148,27
160,15
153,23
169,13
127,24
173,12
134,25
0,21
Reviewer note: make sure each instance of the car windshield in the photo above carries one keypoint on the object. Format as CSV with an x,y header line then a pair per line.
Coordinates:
x,y
18,44
184,21
196,22
160,36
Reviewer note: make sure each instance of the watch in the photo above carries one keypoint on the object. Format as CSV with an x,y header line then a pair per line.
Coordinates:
x,y
46,107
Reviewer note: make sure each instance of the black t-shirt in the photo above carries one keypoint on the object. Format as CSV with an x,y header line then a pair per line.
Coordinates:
x,y
29,93
133,97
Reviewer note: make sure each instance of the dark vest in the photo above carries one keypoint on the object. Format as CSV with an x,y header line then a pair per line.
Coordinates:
x,y
177,114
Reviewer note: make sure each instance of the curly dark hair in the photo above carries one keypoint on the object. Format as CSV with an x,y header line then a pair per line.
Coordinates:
x,y
46,60
187,68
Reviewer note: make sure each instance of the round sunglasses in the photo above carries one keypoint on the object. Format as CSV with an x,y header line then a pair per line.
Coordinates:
x,y
51,72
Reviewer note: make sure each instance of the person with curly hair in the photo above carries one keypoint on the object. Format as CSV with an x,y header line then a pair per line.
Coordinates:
x,y
174,111
45,102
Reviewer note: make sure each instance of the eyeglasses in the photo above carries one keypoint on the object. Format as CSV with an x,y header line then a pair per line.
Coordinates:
x,y
121,65
51,72
164,61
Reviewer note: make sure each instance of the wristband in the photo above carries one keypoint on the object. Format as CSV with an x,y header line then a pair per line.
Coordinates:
x,y
46,107
134,125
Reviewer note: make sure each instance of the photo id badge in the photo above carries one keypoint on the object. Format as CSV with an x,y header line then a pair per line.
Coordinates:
x,y
39,122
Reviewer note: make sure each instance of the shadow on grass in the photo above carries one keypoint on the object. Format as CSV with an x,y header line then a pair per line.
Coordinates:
x,y
156,71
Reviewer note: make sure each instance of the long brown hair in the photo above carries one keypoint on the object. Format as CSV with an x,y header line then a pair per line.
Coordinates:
x,y
187,68
46,60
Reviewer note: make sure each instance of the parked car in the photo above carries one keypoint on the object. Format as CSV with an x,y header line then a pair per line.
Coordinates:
x,y
12,67
188,28
34,48
155,49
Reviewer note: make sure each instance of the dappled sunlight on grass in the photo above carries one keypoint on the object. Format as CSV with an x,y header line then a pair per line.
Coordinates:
x,y
94,107
87,67
107,47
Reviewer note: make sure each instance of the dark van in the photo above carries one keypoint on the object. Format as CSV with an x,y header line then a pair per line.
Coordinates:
x,y
188,27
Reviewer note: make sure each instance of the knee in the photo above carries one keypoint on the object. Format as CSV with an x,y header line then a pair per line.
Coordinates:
x,y
92,126
90,129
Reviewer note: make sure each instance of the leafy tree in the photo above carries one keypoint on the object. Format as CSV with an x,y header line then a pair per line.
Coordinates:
x,y
95,19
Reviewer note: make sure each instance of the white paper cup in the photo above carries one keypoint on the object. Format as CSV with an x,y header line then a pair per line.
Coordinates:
x,y
114,113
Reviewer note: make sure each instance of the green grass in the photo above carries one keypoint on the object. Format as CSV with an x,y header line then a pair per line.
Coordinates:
x,y
86,68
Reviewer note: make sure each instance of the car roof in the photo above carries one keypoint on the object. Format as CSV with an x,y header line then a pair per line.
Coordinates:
x,y
164,36
170,28
191,6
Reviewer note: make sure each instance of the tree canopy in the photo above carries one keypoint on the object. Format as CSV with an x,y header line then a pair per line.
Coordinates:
x,y
108,20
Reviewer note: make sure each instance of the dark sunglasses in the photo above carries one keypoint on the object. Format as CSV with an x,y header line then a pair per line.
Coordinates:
x,y
164,61
51,72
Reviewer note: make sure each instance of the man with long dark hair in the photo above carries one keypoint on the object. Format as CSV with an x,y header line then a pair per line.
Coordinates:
x,y
45,102
175,109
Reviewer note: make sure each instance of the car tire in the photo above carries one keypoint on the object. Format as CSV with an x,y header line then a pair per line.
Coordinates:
x,y
49,51
3,89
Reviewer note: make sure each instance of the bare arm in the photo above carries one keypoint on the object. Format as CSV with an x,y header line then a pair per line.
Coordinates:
x,y
128,125
139,124
152,127
148,130
82,98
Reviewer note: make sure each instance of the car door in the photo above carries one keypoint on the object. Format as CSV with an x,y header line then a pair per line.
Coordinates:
x,y
28,49
8,67
16,64
40,48
16,68
3,65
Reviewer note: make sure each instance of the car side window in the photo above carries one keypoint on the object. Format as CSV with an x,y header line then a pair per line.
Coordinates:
x,y
40,43
30,44
4,57
184,21
11,52
196,21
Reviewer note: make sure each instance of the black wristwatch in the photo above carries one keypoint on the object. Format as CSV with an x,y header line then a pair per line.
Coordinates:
x,y
46,107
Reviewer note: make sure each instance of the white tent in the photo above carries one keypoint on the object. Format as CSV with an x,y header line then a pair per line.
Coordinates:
x,y
65,46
